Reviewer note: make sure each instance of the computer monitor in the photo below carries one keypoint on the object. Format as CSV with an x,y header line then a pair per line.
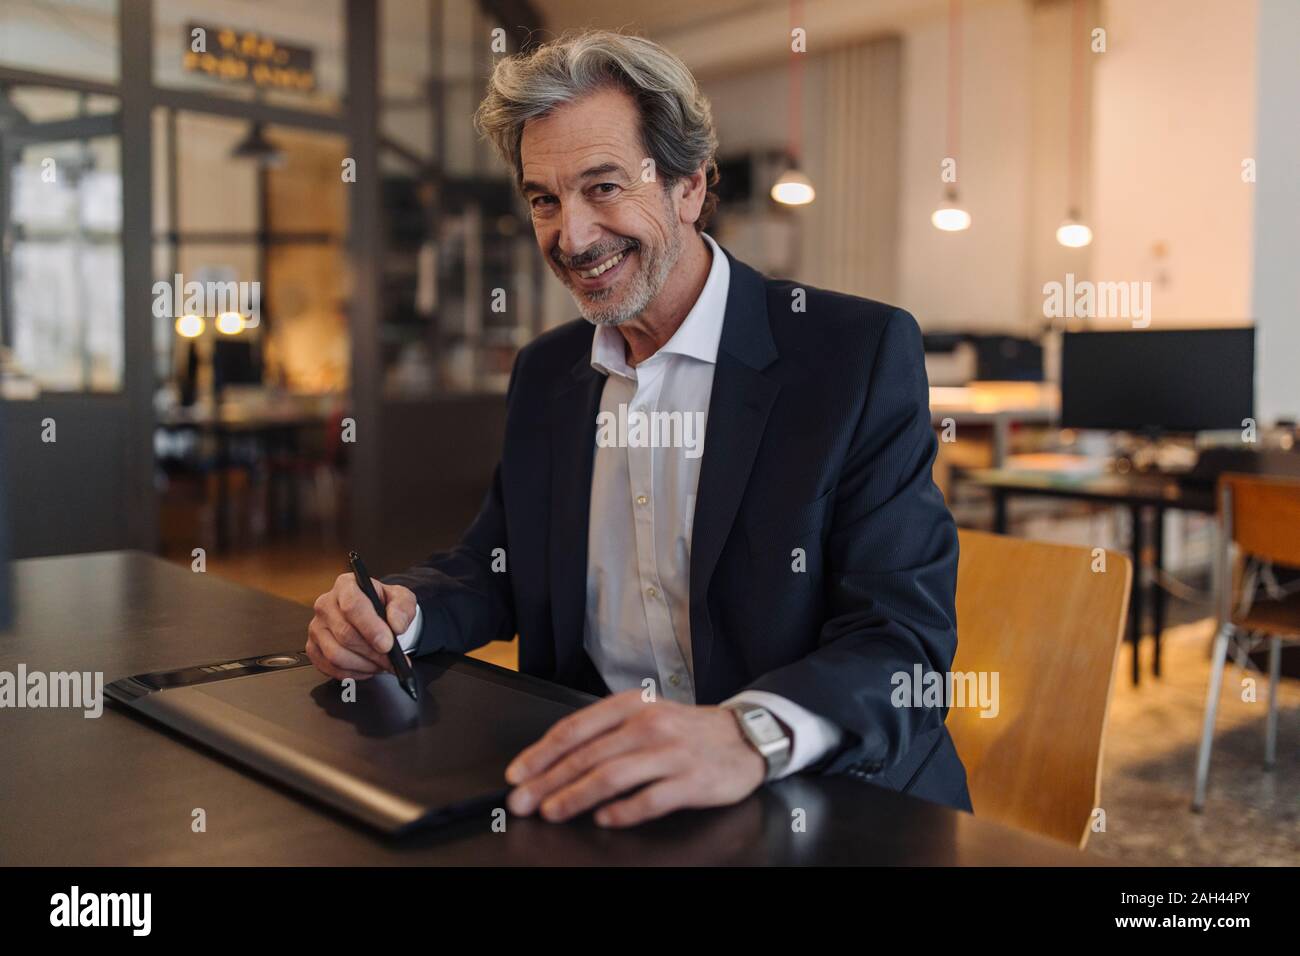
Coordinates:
x,y
1007,358
235,362
1177,380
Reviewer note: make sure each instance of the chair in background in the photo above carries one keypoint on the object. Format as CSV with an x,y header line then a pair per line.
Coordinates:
x,y
1261,517
1048,619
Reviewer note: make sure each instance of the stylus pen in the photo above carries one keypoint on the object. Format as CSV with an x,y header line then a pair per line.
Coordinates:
x,y
401,666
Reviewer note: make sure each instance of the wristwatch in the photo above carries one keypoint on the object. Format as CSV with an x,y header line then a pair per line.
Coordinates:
x,y
765,734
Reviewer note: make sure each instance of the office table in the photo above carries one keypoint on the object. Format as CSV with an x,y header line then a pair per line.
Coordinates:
x,y
276,431
1141,494
998,406
117,790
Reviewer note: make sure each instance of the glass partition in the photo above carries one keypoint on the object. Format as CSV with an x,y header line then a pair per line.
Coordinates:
x,y
61,283
289,53
73,38
462,280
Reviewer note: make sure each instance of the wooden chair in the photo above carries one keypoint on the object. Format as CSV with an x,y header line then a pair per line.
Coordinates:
x,y
1049,620
1261,517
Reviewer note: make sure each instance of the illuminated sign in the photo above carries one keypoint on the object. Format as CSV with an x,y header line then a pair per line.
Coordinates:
x,y
246,56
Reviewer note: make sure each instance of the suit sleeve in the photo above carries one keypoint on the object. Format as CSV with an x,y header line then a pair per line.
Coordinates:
x,y
463,602
891,575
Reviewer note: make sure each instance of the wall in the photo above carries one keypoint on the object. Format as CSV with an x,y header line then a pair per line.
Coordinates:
x,y
1276,280
972,280
1175,116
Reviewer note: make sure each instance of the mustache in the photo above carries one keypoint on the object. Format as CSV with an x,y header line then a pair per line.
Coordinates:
x,y
592,256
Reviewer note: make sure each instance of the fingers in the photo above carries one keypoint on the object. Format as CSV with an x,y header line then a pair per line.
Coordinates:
x,y
332,658
572,732
525,798
649,803
357,611
399,605
611,779
328,614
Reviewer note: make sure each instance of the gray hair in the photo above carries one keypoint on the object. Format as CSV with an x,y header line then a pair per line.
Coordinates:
x,y
676,122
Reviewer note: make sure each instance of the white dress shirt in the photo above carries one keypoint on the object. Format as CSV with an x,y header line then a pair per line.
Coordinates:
x,y
643,485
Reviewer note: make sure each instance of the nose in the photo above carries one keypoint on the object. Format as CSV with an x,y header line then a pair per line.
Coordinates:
x,y
578,229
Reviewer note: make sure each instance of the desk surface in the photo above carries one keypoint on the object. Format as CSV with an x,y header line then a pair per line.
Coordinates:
x,y
116,790
1132,488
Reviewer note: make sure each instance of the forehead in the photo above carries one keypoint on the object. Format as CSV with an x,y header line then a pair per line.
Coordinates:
x,y
598,128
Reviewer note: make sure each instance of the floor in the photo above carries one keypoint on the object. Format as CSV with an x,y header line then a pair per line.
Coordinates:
x,y
1251,818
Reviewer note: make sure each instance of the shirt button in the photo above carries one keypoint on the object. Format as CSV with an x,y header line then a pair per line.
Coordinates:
x,y
652,592
674,680
641,499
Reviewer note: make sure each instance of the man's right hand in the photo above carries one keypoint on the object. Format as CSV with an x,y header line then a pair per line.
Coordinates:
x,y
346,638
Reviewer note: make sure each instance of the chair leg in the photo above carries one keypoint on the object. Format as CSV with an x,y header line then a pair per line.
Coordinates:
x,y
1217,661
1274,676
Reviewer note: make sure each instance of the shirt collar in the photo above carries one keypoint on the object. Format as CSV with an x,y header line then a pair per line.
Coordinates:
x,y
697,336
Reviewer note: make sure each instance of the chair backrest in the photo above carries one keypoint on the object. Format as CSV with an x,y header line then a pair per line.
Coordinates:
x,y
1047,619
1263,515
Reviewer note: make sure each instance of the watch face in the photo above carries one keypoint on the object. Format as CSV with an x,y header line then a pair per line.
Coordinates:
x,y
763,726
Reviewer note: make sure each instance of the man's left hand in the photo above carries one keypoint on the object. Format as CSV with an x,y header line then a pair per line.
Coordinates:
x,y
672,755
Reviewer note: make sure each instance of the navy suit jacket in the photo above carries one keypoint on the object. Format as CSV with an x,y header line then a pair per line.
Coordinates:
x,y
818,438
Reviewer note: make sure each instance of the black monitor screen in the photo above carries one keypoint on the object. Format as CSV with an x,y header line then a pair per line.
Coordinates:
x,y
235,362
1185,380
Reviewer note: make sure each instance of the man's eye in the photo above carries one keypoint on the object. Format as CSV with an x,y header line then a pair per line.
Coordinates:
x,y
538,201
606,189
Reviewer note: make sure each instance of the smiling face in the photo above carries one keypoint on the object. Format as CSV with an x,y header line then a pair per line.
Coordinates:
x,y
610,236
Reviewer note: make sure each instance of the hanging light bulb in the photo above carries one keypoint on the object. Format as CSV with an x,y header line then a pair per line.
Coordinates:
x,y
793,189
950,217
190,326
230,323
1073,233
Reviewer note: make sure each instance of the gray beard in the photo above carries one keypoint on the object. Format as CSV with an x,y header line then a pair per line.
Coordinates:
x,y
646,284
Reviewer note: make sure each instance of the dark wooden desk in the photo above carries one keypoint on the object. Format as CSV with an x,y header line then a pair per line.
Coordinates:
x,y
117,790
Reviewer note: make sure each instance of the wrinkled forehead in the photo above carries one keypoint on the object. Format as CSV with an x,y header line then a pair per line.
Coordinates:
x,y
599,133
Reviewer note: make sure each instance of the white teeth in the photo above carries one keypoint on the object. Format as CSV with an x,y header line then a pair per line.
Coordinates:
x,y
603,267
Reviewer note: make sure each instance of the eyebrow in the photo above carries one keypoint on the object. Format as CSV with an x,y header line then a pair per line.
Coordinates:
x,y
528,185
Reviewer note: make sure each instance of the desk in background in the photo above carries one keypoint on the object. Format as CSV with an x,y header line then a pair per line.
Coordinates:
x,y
276,430
997,407
115,790
1144,494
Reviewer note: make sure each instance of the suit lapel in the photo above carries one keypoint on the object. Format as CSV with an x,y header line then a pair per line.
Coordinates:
x,y
739,405
573,436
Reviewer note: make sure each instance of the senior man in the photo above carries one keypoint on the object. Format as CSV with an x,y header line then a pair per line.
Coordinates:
x,y
716,511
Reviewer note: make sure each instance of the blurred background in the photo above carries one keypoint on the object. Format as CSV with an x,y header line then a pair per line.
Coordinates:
x,y
977,163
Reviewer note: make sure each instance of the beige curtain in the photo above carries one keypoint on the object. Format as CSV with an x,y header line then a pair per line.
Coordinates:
x,y
851,145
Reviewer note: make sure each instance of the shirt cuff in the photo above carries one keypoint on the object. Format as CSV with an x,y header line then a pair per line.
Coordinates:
x,y
814,735
411,636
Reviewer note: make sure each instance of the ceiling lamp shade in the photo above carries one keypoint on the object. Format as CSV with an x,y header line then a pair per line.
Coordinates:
x,y
230,323
793,189
189,326
950,217
1073,233
257,147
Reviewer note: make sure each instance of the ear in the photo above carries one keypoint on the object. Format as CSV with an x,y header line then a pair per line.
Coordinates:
x,y
691,191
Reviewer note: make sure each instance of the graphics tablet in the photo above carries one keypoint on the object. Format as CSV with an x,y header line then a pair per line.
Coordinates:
x,y
382,758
